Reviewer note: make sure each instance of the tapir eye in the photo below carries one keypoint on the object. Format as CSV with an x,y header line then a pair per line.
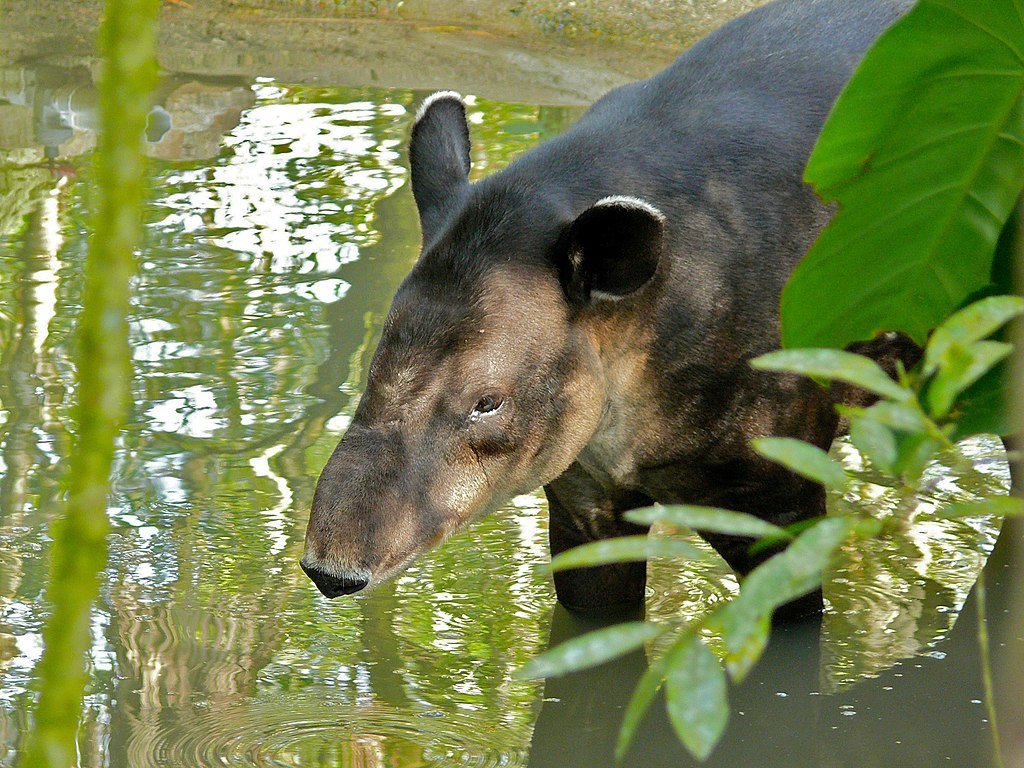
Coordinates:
x,y
486,404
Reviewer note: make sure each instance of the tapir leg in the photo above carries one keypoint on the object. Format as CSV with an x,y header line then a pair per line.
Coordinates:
x,y
582,511
783,504
1015,449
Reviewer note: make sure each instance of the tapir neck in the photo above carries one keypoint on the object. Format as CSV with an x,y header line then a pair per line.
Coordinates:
x,y
624,343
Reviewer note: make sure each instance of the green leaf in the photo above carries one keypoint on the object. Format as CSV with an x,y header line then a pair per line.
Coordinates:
x,y
924,153
697,697
624,549
902,418
1001,506
792,530
834,365
982,408
707,519
803,458
591,649
972,323
641,700
777,581
874,440
750,634
961,367
915,451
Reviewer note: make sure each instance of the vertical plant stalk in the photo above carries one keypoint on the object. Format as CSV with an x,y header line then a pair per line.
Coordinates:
x,y
1015,403
986,670
79,551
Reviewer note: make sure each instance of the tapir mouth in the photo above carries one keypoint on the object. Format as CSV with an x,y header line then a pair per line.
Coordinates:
x,y
334,581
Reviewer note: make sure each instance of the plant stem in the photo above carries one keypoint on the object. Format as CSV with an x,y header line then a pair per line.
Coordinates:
x,y
79,551
986,669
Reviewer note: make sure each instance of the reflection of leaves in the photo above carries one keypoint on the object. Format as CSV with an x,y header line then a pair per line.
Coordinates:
x,y
882,609
221,318
520,127
507,130
892,597
641,700
21,189
1001,506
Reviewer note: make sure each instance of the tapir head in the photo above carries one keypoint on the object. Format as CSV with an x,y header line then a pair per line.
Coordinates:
x,y
492,371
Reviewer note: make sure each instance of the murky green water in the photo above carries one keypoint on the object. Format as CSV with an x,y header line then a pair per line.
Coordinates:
x,y
280,224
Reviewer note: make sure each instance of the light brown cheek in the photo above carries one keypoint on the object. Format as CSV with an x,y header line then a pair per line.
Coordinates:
x,y
462,491
555,450
399,540
579,427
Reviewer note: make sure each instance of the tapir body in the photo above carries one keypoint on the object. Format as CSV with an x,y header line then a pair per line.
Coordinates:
x,y
585,318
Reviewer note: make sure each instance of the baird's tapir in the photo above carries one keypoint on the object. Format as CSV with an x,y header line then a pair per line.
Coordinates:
x,y
584,319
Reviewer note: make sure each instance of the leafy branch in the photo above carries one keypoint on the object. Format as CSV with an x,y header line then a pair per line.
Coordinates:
x,y
914,419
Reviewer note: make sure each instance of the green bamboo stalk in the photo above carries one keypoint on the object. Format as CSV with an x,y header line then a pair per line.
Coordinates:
x,y
79,552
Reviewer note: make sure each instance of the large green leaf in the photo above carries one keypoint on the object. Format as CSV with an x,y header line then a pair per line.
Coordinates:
x,y
591,649
696,694
708,519
924,152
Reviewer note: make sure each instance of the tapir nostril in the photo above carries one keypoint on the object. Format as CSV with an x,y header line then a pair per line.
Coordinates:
x,y
332,584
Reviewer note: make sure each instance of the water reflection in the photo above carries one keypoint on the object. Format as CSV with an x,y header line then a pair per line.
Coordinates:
x,y
281,223
55,112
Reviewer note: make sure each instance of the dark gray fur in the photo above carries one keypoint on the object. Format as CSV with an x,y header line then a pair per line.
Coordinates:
x,y
717,142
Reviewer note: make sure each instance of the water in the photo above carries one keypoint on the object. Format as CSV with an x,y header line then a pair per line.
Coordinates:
x,y
281,222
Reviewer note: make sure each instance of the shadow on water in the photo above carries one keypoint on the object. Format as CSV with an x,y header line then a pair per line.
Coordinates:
x,y
281,223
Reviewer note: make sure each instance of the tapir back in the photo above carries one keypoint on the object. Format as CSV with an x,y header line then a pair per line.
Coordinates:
x,y
718,141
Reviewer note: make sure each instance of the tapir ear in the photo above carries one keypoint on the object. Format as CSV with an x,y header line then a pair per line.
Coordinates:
x,y
439,158
613,249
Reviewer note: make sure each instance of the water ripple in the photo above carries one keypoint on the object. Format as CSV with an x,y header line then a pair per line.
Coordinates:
x,y
272,733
